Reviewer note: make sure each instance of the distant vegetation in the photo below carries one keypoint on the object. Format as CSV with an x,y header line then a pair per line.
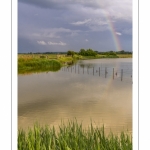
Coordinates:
x,y
52,61
116,52
72,136
84,52
88,52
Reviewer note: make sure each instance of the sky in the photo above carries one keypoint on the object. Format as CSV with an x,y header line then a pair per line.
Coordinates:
x,y
62,25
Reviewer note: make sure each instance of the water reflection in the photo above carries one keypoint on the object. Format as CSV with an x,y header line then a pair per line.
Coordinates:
x,y
50,97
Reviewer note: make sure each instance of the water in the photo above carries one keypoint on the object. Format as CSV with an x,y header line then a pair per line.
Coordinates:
x,y
87,91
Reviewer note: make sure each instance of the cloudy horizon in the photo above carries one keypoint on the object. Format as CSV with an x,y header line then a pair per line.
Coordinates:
x,y
59,26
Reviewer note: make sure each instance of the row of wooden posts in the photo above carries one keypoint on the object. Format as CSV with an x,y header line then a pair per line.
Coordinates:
x,y
67,68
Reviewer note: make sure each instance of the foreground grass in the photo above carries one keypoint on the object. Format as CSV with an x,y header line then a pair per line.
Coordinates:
x,y
72,136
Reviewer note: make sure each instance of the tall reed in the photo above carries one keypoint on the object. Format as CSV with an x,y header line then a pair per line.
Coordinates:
x,y
72,136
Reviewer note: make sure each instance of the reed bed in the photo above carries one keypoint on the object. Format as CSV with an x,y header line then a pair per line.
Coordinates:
x,y
72,136
26,65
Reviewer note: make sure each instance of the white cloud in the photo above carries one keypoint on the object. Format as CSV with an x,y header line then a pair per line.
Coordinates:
x,y
95,24
81,22
118,33
51,43
41,42
53,32
59,43
50,35
86,40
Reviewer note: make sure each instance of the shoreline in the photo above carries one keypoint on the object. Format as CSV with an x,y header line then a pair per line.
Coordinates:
x,y
30,63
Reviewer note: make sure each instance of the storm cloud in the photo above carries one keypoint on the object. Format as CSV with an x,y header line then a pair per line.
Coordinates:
x,y
52,25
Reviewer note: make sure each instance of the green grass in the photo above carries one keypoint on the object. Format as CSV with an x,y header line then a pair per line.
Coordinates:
x,y
30,63
27,65
124,55
48,56
72,136
67,59
99,56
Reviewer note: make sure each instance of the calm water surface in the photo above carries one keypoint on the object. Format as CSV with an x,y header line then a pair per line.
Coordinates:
x,y
87,91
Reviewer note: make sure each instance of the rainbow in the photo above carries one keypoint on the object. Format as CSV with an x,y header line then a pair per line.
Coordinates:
x,y
113,32
117,46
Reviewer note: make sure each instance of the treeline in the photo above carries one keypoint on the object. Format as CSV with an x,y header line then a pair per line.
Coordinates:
x,y
90,52
84,52
114,52
44,53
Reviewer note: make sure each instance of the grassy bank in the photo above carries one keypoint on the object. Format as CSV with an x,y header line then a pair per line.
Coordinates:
x,y
72,136
96,57
124,55
99,56
30,63
27,65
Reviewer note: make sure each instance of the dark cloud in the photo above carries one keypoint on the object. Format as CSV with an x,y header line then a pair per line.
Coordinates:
x,y
44,3
72,24
62,4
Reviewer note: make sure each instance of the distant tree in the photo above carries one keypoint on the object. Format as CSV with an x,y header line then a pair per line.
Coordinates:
x,y
111,53
88,52
70,52
96,52
122,52
82,52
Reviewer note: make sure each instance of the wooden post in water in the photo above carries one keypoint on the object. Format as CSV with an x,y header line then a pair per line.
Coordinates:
x,y
78,69
83,69
71,68
99,71
113,73
121,74
93,71
75,68
105,71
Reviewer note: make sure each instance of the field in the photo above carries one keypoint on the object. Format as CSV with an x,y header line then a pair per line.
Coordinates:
x,y
72,136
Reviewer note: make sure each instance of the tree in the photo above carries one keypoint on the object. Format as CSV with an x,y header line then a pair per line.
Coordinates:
x,y
70,52
88,52
82,52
